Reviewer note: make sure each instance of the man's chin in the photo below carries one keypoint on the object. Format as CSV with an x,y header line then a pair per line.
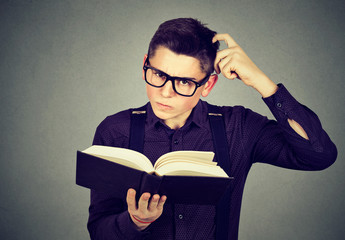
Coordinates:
x,y
163,115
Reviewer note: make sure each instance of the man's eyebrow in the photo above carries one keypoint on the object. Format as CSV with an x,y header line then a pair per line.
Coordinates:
x,y
187,78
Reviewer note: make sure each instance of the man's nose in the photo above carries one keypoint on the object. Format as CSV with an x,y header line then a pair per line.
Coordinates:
x,y
167,90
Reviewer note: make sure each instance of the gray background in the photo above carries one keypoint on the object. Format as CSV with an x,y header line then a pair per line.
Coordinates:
x,y
66,65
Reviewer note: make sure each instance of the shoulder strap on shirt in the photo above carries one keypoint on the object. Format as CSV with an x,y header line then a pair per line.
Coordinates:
x,y
221,148
137,129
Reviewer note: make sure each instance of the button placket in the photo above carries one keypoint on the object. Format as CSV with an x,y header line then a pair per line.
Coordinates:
x,y
180,224
176,141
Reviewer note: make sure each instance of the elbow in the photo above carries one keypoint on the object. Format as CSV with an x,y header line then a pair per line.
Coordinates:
x,y
327,158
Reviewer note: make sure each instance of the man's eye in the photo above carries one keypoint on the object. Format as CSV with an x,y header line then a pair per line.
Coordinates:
x,y
159,74
184,82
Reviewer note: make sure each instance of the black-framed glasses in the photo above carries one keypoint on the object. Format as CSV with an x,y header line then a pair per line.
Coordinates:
x,y
183,86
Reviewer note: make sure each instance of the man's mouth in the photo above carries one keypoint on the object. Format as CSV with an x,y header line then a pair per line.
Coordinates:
x,y
163,106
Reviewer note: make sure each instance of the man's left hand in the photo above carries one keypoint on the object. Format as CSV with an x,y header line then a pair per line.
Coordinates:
x,y
233,63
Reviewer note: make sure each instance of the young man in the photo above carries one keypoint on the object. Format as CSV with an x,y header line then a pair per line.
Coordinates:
x,y
178,69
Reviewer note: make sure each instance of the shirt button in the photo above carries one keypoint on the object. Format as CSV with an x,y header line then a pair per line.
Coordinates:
x,y
175,141
279,105
180,216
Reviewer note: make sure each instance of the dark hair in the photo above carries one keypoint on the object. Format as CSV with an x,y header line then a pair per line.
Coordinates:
x,y
189,37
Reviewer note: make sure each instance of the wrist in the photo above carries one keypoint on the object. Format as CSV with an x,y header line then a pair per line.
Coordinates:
x,y
141,221
265,86
140,224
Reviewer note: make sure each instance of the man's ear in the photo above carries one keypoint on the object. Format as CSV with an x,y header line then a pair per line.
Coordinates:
x,y
209,85
145,57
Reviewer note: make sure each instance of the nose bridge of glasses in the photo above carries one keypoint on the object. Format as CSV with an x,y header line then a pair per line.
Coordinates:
x,y
167,78
168,87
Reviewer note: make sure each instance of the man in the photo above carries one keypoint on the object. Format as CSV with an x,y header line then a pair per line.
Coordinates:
x,y
178,69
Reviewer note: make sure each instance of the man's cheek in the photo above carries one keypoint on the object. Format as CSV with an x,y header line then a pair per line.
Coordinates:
x,y
149,92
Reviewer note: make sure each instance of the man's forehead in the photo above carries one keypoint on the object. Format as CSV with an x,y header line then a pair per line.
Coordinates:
x,y
176,64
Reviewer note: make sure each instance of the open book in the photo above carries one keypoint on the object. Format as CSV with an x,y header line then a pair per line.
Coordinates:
x,y
183,176
185,163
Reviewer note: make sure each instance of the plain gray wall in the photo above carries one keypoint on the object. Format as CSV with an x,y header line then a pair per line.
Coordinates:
x,y
66,65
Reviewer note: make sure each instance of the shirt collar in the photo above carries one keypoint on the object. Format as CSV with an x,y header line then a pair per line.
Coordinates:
x,y
198,116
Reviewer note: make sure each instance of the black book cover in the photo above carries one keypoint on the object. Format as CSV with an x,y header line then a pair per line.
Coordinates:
x,y
102,175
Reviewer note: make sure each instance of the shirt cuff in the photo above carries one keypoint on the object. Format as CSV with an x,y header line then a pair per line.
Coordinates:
x,y
281,104
128,228
284,106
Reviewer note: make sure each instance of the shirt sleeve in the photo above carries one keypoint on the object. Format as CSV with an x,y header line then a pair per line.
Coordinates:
x,y
278,144
109,219
108,216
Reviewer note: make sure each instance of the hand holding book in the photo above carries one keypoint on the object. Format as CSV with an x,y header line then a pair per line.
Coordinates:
x,y
146,211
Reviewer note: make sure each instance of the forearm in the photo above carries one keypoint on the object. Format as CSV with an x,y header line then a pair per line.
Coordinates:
x,y
117,226
109,219
298,128
265,86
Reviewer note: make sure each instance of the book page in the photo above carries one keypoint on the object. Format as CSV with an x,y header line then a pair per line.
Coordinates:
x,y
121,156
195,156
190,169
168,161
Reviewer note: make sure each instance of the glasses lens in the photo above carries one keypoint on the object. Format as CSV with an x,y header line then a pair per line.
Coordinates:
x,y
155,78
184,86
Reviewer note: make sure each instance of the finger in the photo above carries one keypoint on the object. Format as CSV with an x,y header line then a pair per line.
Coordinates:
x,y
219,57
230,42
229,71
224,62
143,202
227,67
131,200
161,202
216,67
154,202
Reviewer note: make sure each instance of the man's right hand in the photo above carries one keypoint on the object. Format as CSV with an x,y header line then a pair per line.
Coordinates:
x,y
146,211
